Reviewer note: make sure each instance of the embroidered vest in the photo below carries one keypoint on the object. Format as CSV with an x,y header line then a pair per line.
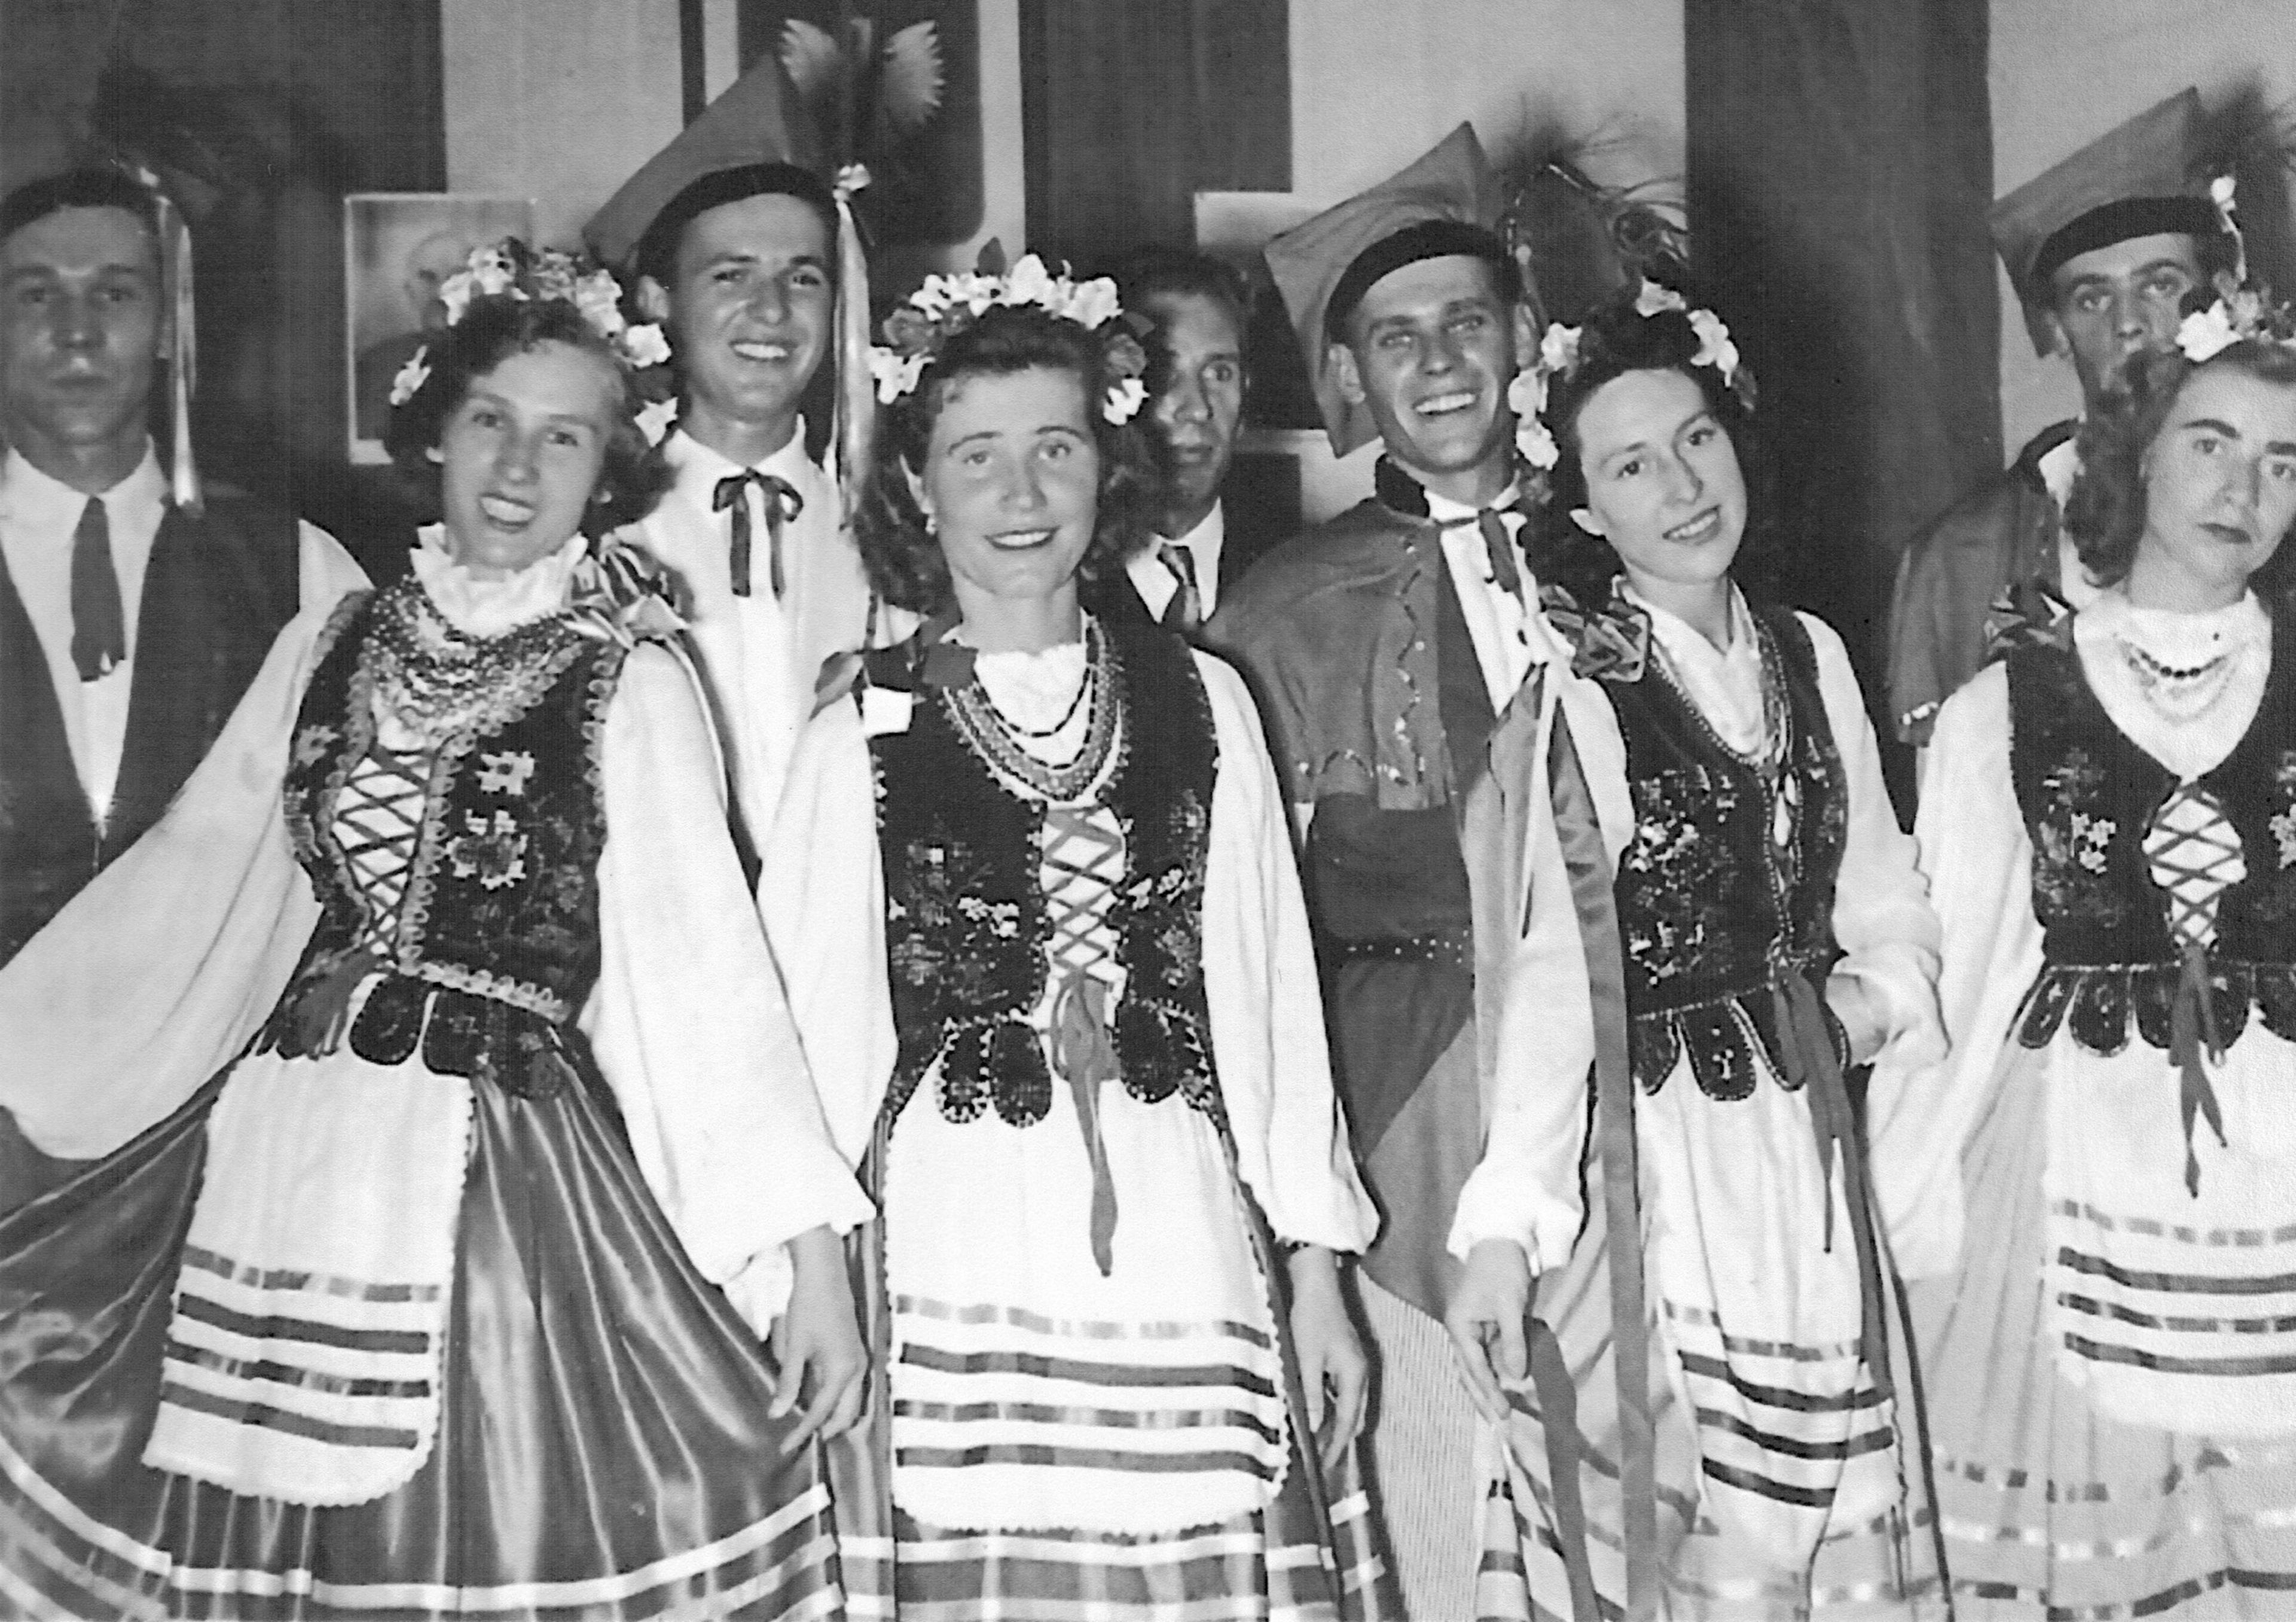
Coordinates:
x,y
1713,914
966,920
215,594
2087,795
496,941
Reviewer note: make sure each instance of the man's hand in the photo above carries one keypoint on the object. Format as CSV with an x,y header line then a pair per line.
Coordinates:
x,y
816,1344
1486,1323
1332,1363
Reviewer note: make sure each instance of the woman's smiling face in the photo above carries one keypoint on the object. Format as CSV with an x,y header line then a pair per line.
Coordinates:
x,y
1663,485
523,453
1010,483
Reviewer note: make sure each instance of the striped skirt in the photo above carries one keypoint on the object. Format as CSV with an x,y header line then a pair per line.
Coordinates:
x,y
603,1447
2111,1375
1046,1441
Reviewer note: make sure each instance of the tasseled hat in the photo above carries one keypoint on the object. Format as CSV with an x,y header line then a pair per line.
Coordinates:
x,y
2141,179
1447,202
745,144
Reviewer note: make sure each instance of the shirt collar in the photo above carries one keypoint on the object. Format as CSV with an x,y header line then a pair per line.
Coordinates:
x,y
1207,534
46,504
1442,509
700,467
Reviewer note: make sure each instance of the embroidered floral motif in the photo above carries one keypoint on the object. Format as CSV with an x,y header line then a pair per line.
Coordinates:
x,y
2072,842
491,850
2284,833
1677,867
505,773
312,744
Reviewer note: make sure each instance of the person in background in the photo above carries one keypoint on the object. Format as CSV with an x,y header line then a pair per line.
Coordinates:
x,y
2094,1200
1411,686
1034,898
454,1152
746,259
2102,249
429,263
135,608
1199,310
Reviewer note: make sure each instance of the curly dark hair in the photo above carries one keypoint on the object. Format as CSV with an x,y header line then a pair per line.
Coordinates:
x,y
493,329
904,562
1614,340
2105,513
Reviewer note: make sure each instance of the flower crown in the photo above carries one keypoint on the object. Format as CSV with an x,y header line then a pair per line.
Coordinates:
x,y
1558,358
511,269
917,331
2242,313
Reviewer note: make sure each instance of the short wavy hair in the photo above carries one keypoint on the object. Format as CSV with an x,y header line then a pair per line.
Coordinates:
x,y
2105,513
492,330
904,562
1614,339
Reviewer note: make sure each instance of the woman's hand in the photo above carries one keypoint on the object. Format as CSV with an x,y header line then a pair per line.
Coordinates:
x,y
1332,1363
1485,1319
816,1343
1862,1017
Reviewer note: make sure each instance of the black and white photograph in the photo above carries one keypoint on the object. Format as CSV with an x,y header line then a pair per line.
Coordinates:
x,y
1079,811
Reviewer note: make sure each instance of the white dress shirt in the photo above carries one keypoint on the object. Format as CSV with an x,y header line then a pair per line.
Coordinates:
x,y
762,654
1500,624
38,518
1156,583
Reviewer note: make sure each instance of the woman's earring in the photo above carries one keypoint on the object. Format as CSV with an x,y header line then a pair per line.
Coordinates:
x,y
932,527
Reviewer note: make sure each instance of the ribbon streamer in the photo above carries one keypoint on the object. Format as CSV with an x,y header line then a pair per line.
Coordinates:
x,y
2191,1030
1085,1058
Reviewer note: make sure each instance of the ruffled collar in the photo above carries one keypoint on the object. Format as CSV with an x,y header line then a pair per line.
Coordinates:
x,y
490,607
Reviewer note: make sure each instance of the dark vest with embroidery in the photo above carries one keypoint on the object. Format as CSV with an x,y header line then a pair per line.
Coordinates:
x,y
2087,795
1711,915
497,937
966,918
217,592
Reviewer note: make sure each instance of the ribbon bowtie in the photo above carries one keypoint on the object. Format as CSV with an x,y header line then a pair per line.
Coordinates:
x,y
1612,644
782,503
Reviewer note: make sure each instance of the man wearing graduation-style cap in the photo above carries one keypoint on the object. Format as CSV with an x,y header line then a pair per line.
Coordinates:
x,y
2102,249
749,260
1422,710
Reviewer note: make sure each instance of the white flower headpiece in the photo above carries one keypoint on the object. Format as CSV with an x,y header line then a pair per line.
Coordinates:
x,y
946,305
509,269
2241,313
1558,358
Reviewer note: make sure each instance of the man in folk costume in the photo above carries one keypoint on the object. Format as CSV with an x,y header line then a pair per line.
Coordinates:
x,y
1431,730
751,263
133,609
1199,310
2102,249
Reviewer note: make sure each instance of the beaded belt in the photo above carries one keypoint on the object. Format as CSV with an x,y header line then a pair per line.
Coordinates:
x,y
1456,947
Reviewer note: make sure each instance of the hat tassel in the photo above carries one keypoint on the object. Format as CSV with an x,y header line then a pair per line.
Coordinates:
x,y
857,400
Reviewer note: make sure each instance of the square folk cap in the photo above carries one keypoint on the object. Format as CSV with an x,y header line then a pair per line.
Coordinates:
x,y
2148,175
1447,202
745,143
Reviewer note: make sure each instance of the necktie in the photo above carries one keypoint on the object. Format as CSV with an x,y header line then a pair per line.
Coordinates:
x,y
1185,612
1501,549
99,630
782,503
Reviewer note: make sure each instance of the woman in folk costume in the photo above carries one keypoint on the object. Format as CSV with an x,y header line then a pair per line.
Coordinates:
x,y
1073,1031
2095,1201
1774,931
443,1296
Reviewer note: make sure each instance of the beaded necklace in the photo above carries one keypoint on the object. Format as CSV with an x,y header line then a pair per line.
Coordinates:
x,y
437,681
999,741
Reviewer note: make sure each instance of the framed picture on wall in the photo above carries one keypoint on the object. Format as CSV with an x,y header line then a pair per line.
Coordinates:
x,y
398,248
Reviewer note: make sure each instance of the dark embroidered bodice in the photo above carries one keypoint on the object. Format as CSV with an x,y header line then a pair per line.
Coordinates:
x,y
494,945
1728,885
2089,798
966,917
